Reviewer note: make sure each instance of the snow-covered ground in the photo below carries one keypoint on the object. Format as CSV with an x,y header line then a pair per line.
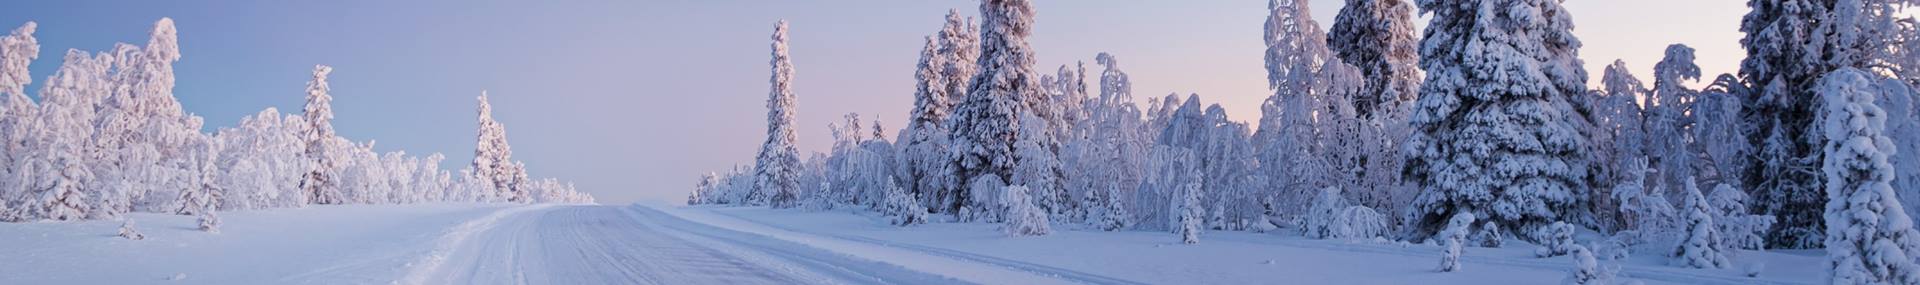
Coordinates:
x,y
589,244
1222,257
356,244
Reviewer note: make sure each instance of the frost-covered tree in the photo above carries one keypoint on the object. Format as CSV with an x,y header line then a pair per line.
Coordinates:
x,y
902,208
1555,240
1332,217
1039,169
1109,164
1667,117
263,162
205,191
1024,218
1869,237
1619,137
1738,230
1452,239
986,123
1497,116
321,182
1717,136
1701,245
1170,170
127,231
1646,216
1588,270
922,145
776,169
1296,57
140,133
1790,45
18,49
1189,217
54,172
1377,37
493,157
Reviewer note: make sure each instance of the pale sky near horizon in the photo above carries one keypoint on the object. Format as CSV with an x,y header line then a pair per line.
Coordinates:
x,y
634,99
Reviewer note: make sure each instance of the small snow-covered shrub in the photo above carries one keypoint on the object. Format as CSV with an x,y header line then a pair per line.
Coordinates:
x,y
986,191
1556,240
1452,239
902,209
1332,218
127,231
1489,235
1106,213
1588,270
1738,229
1023,217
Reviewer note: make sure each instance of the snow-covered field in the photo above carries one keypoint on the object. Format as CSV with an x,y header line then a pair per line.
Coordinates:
x,y
588,244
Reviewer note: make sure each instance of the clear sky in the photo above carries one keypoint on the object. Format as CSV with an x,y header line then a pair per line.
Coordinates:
x,y
633,99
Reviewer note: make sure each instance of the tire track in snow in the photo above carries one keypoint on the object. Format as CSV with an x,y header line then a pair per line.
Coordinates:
x,y
430,262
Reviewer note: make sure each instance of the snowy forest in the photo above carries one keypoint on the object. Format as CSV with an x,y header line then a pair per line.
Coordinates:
x,y
1482,130
107,137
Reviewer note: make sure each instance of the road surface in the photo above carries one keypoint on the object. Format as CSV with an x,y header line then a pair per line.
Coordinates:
x,y
628,245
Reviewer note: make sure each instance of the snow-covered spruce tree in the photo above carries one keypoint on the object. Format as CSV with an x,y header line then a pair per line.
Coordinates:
x,y
1376,36
776,169
986,123
208,195
1870,239
1189,217
960,53
1452,239
321,182
1738,230
1023,217
493,157
1790,45
1700,244
55,172
1497,116
987,190
1668,118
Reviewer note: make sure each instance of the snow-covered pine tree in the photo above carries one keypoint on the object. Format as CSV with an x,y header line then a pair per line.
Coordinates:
x,y
1498,136
1377,37
321,182
1024,218
776,169
1452,239
1189,217
986,123
1700,244
1870,239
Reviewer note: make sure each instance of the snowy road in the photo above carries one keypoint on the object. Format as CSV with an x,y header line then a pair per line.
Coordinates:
x,y
617,245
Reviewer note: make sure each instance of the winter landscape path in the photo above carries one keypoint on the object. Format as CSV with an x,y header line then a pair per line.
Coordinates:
x,y
615,245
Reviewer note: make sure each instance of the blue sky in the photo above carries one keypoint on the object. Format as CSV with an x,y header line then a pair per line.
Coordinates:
x,y
633,99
